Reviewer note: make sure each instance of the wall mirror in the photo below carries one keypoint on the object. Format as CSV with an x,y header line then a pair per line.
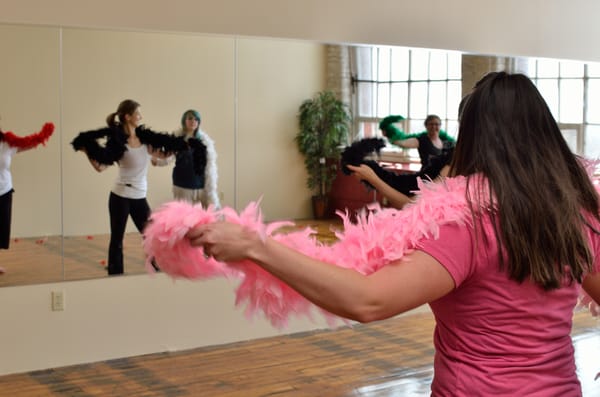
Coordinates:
x,y
248,91
76,77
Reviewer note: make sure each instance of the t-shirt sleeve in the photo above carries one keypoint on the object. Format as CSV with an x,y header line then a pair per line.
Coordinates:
x,y
594,243
453,249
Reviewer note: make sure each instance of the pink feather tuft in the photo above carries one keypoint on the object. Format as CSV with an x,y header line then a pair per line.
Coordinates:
x,y
165,242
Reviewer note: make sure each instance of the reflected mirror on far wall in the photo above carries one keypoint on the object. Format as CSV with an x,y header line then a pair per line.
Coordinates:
x,y
232,82
247,90
30,88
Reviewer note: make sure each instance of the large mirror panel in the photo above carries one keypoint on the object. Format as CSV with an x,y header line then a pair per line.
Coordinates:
x,y
167,74
247,90
30,87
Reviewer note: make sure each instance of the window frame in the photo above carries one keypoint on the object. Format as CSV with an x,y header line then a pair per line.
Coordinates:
x,y
376,83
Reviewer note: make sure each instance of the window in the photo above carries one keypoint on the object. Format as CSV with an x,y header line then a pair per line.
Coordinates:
x,y
408,82
572,91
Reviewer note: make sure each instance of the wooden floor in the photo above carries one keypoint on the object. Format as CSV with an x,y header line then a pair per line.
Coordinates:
x,y
384,359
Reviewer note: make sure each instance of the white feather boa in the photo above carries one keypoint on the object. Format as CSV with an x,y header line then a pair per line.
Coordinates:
x,y
211,194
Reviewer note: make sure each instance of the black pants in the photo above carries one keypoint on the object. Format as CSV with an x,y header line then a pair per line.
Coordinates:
x,y
119,209
5,218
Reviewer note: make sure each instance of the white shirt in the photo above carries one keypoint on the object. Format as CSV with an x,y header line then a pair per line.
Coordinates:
x,y
132,181
6,153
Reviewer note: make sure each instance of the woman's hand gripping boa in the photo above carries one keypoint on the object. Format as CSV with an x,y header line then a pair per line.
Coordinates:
x,y
375,240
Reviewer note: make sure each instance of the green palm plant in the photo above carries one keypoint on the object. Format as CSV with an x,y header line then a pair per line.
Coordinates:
x,y
324,123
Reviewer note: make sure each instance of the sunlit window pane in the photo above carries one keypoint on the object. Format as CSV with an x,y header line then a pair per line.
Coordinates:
x,y
570,135
547,68
454,97
418,101
592,141
529,67
383,69
593,104
366,105
364,63
549,90
438,66
419,63
383,100
454,65
571,69
367,129
452,128
399,102
400,64
406,84
593,69
437,99
571,101
416,125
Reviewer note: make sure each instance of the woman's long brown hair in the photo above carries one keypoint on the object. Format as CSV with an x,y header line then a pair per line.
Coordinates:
x,y
126,107
542,192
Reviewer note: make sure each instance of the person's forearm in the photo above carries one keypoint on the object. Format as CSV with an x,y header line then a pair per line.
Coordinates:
x,y
394,197
161,161
96,165
343,292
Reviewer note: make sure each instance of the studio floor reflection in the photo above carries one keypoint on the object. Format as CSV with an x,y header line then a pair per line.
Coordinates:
x,y
384,359
32,260
39,260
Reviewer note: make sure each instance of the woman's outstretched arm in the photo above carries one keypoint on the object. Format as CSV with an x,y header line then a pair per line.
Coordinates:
x,y
394,289
396,199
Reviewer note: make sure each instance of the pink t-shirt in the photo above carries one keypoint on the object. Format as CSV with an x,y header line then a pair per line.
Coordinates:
x,y
494,336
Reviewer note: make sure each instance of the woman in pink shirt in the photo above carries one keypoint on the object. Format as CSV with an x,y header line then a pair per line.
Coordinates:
x,y
503,285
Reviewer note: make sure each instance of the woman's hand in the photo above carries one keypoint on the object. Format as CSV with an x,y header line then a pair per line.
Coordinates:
x,y
97,166
363,172
158,153
224,241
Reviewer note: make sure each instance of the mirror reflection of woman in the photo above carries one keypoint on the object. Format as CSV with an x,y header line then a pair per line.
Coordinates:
x,y
195,172
10,145
430,143
131,146
398,189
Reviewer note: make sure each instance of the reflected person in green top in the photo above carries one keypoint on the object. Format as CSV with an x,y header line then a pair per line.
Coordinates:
x,y
431,143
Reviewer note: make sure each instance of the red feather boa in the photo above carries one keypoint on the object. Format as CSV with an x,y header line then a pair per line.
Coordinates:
x,y
29,141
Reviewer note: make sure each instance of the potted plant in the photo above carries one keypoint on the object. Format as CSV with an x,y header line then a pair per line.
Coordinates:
x,y
324,123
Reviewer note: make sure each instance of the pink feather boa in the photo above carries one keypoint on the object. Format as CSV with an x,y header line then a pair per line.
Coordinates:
x,y
377,238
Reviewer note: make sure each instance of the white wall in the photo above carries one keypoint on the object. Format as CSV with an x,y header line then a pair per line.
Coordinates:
x,y
155,314
123,316
549,28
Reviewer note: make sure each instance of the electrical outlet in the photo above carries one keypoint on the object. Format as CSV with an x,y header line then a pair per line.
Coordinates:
x,y
58,301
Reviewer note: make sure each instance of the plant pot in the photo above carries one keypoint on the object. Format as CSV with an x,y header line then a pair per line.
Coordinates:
x,y
319,206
